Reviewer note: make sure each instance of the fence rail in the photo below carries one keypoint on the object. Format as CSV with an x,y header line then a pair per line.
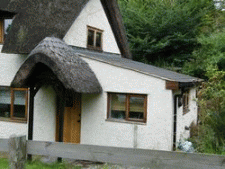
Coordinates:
x,y
124,156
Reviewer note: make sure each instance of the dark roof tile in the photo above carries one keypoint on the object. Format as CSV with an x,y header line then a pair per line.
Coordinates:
x,y
116,60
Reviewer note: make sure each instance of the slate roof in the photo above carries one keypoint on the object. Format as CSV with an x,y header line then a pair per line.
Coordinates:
x,y
36,19
154,71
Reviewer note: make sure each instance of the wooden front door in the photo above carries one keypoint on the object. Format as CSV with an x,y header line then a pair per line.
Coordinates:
x,y
72,121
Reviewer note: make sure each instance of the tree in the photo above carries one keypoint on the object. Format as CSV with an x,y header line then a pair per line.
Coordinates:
x,y
163,29
211,51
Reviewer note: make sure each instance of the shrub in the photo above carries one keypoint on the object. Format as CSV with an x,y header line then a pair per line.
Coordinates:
x,y
211,100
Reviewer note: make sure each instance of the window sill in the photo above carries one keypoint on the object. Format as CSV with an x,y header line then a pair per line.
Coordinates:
x,y
125,121
14,121
94,48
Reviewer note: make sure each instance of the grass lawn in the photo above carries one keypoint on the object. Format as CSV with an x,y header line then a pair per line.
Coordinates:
x,y
38,165
4,163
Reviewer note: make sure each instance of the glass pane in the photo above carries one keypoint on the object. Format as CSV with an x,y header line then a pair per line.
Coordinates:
x,y
19,103
7,25
136,107
118,103
91,37
5,102
186,101
98,39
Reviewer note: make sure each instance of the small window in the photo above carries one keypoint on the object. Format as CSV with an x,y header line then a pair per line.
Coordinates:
x,y
13,103
94,39
5,25
186,102
129,107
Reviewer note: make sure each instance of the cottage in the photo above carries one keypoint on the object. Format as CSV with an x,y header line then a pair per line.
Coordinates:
x,y
66,74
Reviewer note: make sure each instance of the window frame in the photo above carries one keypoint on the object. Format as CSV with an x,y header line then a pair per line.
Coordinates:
x,y
12,97
127,107
186,101
12,104
2,31
95,30
2,28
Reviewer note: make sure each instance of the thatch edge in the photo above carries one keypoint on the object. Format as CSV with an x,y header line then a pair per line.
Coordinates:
x,y
74,73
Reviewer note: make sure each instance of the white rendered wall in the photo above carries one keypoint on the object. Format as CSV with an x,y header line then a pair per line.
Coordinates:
x,y
155,134
44,108
11,128
45,114
186,119
92,15
9,65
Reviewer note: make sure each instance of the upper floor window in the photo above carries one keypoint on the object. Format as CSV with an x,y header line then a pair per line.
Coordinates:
x,y
94,39
13,103
129,107
5,25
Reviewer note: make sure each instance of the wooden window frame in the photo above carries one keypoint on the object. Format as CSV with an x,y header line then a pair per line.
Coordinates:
x,y
1,31
186,101
12,117
96,30
127,107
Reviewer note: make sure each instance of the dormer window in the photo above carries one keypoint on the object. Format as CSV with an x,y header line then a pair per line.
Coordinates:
x,y
5,25
94,39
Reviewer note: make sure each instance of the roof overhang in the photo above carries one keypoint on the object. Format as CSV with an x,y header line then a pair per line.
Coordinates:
x,y
54,60
174,85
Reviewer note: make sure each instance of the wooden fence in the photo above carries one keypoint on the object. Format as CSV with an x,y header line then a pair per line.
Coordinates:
x,y
124,156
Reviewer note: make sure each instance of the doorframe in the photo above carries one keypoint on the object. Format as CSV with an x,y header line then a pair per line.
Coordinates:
x,y
68,94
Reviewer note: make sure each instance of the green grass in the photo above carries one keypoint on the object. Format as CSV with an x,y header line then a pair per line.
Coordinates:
x,y
3,163
38,165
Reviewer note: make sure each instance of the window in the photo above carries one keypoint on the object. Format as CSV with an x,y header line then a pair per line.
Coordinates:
x,y
129,107
13,103
94,39
186,102
5,25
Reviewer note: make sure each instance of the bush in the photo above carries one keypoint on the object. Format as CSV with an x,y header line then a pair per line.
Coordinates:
x,y
211,100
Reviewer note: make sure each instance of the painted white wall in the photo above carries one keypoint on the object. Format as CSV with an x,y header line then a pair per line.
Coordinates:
x,y
155,134
11,128
44,104
186,119
9,65
45,114
92,15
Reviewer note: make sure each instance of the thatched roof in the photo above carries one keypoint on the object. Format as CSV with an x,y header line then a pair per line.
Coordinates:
x,y
36,19
147,69
54,58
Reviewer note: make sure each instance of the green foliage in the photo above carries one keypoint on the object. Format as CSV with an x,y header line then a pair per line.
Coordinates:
x,y
211,138
164,30
211,52
37,165
4,164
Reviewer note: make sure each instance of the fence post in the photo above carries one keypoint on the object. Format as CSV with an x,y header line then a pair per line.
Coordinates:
x,y
17,152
